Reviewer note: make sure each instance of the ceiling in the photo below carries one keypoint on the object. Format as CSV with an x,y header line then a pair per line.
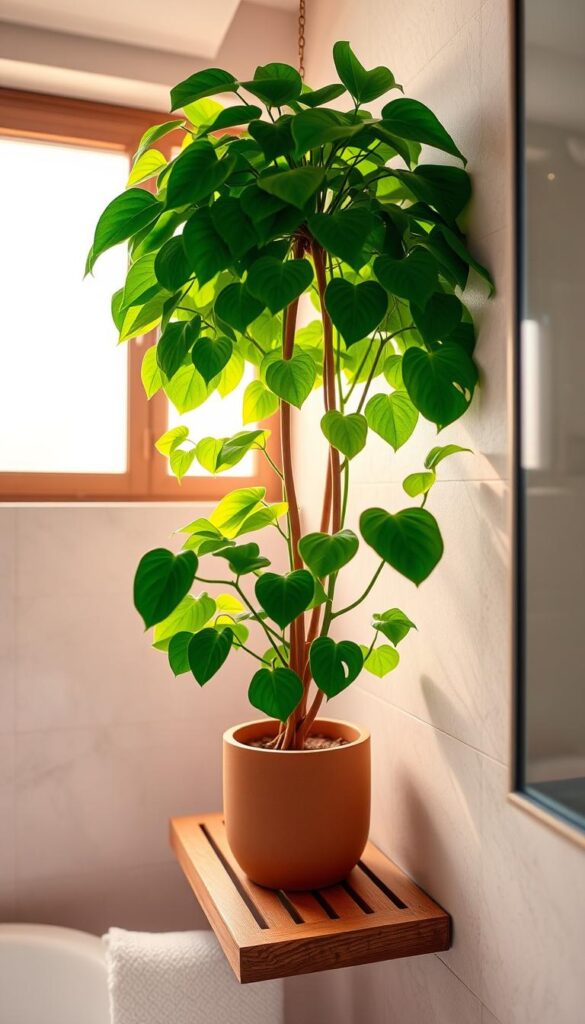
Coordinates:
x,y
195,28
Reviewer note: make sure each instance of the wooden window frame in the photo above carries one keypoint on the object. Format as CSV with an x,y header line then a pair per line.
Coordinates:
x,y
59,119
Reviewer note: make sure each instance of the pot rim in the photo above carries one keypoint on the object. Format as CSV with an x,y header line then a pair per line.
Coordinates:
x,y
362,737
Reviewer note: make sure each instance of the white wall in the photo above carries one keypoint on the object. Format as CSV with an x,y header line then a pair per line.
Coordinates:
x,y
440,723
99,744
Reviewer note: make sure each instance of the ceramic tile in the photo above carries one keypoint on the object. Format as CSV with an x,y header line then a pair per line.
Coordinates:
x,y
533,929
7,618
492,163
153,897
88,662
426,795
454,668
100,799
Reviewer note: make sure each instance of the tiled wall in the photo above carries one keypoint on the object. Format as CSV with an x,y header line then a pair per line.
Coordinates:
x,y
440,723
99,744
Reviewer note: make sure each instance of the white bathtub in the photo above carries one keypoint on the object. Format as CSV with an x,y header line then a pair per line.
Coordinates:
x,y
51,976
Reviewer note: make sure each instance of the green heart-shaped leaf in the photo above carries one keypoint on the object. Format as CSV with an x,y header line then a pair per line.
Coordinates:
x,y
191,614
178,652
275,84
394,624
243,558
210,355
174,344
161,581
233,509
440,383
205,249
334,665
381,660
285,597
276,283
195,175
414,277
127,214
292,379
295,187
363,85
237,307
231,223
141,282
355,309
344,234
346,433
446,189
412,120
418,483
259,403
409,541
314,128
152,135
207,652
171,266
393,417
439,317
276,692
324,553
209,82
274,139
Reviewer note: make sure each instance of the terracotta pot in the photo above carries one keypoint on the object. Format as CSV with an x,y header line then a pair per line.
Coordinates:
x,y
297,819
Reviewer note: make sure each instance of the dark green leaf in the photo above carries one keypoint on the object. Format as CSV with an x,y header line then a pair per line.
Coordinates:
x,y
334,666
178,652
276,692
152,135
191,614
243,558
274,139
460,250
346,433
324,553
275,84
231,223
295,187
292,379
207,652
123,217
412,120
414,277
440,383
344,234
171,266
196,174
285,597
204,247
447,189
394,624
393,417
314,128
315,97
409,541
174,344
236,307
363,85
355,309
438,318
209,82
210,355
276,284
230,117
436,455
161,581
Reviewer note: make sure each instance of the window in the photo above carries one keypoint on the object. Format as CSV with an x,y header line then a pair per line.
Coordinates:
x,y
75,423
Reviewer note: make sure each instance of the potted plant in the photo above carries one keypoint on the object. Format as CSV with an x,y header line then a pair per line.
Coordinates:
x,y
272,200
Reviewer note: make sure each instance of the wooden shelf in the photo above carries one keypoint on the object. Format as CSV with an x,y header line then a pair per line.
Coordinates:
x,y
378,913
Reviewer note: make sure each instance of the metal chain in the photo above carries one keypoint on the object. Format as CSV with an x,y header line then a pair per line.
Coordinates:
x,y
302,38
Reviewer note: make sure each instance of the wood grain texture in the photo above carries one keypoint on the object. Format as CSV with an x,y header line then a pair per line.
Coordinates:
x,y
377,914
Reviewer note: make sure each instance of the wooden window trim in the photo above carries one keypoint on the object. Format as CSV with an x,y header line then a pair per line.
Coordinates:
x,y
30,115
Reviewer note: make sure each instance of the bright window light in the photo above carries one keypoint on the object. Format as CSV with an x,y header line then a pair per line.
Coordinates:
x,y
64,403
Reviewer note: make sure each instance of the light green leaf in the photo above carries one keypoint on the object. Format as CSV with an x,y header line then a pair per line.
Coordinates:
x,y
150,374
203,538
161,581
259,402
409,541
346,433
419,483
229,117
139,320
393,417
381,660
146,166
141,283
191,614
181,461
436,455
267,515
171,439
292,379
187,389
233,509
178,653
393,372
125,216
152,135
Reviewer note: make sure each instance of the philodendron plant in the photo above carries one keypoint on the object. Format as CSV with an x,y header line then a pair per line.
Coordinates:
x,y
263,206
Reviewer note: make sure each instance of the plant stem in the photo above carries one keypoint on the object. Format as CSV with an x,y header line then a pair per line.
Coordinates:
x,y
354,604
266,629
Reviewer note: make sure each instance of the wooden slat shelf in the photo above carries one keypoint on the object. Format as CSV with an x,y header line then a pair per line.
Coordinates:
x,y
378,913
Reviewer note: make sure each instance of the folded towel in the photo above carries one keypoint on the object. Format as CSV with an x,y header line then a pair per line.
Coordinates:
x,y
182,978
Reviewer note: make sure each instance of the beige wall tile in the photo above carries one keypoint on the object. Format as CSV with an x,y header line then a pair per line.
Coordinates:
x,y
7,619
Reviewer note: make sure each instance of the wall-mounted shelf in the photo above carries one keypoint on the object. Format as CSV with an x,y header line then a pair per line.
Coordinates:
x,y
378,913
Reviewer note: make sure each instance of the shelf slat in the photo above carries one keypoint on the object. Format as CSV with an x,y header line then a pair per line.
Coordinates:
x,y
378,913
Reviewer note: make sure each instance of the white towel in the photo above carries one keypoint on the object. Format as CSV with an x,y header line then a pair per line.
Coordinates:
x,y
182,978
